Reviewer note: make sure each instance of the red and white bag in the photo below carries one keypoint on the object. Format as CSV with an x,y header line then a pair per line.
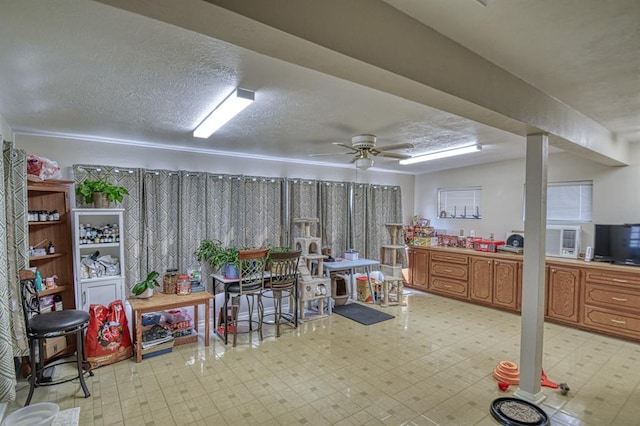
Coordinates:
x,y
108,339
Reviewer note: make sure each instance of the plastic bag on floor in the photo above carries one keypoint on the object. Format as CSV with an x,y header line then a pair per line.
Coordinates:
x,y
108,339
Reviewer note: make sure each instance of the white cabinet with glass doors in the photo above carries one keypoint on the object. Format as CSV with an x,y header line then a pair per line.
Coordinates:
x,y
98,256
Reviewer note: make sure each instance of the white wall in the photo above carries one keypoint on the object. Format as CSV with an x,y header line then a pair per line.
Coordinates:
x,y
615,192
68,152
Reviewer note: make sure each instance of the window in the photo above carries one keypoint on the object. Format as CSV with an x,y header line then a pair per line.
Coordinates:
x,y
570,201
460,203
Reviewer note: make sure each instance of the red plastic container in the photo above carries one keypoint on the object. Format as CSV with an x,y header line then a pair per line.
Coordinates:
x,y
487,245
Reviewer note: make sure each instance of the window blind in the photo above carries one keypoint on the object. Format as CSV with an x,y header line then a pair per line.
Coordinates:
x,y
462,203
570,201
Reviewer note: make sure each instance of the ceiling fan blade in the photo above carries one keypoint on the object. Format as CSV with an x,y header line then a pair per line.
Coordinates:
x,y
393,155
330,153
355,157
345,146
395,146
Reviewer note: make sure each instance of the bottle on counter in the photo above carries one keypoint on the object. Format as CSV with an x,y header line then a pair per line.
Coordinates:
x,y
39,285
57,302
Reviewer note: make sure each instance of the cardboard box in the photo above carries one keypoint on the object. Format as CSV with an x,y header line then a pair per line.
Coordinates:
x,y
54,346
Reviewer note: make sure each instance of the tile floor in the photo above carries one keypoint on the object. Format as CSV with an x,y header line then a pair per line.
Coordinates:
x,y
430,365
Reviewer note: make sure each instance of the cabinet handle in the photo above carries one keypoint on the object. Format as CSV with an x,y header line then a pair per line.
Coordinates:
x,y
447,286
618,299
619,280
618,322
84,298
448,270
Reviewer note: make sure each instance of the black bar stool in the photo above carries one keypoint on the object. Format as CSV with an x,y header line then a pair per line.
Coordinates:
x,y
41,326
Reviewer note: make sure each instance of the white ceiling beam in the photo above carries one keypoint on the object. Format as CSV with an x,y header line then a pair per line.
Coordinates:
x,y
371,43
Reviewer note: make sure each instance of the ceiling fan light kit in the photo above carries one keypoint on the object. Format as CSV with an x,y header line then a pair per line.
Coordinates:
x,y
442,154
238,100
364,163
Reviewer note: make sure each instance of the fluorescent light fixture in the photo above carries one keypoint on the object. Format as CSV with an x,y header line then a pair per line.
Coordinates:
x,y
442,154
364,163
238,100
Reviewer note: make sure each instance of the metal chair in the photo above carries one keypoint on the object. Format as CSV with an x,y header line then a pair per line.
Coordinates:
x,y
283,267
40,326
250,284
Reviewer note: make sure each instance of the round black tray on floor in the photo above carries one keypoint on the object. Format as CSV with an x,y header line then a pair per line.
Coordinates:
x,y
517,412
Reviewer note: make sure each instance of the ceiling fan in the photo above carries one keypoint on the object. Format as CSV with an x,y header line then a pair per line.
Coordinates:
x,y
364,148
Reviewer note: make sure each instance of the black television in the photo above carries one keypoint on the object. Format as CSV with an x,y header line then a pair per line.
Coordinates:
x,y
617,244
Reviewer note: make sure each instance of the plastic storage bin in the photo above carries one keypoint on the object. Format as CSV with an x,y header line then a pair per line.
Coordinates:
x,y
176,315
39,414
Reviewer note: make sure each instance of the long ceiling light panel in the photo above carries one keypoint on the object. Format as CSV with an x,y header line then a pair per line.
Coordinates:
x,y
238,100
442,154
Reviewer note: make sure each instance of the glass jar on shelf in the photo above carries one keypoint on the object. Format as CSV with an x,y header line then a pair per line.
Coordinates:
x,y
184,285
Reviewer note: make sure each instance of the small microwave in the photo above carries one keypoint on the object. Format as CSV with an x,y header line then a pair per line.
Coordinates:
x,y
563,241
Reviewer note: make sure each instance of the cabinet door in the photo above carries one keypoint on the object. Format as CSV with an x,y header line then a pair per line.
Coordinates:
x,y
506,284
420,273
563,286
100,292
481,279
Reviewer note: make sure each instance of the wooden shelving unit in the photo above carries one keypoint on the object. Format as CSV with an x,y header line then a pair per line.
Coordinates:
x,y
53,195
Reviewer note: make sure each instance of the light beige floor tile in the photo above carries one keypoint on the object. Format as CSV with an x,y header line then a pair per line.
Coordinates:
x,y
430,365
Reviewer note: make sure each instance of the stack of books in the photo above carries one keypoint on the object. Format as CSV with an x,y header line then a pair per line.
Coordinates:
x,y
157,347
156,340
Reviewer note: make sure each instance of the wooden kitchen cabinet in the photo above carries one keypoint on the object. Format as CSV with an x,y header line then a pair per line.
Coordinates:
x,y
481,282
563,291
611,302
419,269
449,274
592,296
507,284
496,282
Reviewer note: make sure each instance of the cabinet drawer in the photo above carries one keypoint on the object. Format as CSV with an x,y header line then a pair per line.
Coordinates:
x,y
450,258
458,272
606,277
457,288
614,297
612,321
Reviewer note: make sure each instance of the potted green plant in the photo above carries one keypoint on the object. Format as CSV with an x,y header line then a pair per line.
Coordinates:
x,y
144,288
219,257
100,192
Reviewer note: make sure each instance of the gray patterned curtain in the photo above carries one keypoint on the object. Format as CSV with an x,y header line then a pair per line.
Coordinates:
x,y
13,258
334,216
135,262
224,209
160,201
168,213
192,215
384,205
303,203
262,211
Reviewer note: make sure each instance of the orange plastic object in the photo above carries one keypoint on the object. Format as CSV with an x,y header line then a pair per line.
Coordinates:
x,y
548,383
507,372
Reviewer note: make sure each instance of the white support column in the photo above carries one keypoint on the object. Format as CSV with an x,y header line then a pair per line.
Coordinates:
x,y
533,277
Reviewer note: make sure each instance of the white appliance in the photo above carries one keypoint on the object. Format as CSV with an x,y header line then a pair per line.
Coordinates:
x,y
563,241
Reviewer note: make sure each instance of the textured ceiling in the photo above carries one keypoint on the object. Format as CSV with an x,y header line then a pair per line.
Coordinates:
x,y
80,68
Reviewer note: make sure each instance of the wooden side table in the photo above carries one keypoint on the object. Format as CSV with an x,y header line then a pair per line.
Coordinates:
x,y
162,302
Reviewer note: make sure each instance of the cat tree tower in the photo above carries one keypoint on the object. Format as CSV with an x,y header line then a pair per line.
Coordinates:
x,y
316,287
391,264
310,246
